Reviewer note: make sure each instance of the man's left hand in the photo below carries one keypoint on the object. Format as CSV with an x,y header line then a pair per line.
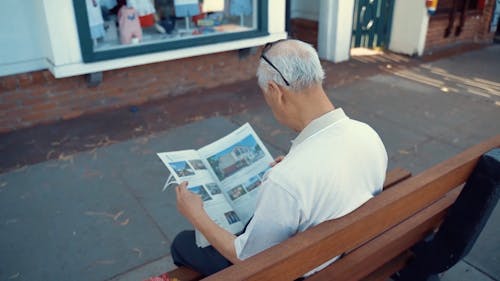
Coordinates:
x,y
189,204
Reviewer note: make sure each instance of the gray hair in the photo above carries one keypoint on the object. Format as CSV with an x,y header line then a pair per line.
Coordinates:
x,y
298,62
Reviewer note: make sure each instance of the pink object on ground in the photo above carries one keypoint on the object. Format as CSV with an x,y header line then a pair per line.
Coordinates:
x,y
163,277
130,27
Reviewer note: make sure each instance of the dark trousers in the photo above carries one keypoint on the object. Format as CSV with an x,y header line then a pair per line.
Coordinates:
x,y
204,260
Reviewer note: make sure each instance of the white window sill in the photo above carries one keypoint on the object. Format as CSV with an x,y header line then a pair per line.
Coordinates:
x,y
60,71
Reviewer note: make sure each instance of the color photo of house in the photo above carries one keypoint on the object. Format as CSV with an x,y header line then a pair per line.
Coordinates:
x,y
236,157
182,168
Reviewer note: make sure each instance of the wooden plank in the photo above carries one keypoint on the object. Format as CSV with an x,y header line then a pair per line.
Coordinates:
x,y
396,176
303,252
384,272
375,253
184,274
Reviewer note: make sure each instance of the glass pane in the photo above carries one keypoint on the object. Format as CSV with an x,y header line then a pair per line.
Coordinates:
x,y
122,23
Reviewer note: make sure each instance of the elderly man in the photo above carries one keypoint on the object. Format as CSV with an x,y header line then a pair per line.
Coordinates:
x,y
334,166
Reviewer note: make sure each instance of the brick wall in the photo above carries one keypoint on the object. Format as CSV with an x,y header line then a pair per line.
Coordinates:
x,y
33,98
305,30
475,29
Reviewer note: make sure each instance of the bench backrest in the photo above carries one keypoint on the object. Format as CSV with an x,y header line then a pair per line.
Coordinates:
x,y
305,251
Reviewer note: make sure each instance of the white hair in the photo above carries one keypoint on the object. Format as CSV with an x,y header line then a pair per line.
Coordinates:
x,y
297,61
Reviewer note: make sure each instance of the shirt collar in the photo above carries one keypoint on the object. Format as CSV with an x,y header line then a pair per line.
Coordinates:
x,y
319,124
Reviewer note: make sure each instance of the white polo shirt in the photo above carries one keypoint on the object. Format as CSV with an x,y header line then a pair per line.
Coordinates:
x,y
334,166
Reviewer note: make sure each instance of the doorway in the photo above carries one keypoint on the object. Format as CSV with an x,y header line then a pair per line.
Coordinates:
x,y
372,23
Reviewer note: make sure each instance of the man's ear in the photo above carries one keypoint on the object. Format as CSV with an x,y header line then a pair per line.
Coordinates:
x,y
275,91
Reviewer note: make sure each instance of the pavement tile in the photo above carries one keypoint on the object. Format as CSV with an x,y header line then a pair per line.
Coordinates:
x,y
396,137
464,272
65,220
418,107
481,127
155,268
485,255
423,155
482,64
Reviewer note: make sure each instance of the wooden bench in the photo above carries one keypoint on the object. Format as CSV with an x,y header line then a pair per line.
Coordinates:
x,y
375,239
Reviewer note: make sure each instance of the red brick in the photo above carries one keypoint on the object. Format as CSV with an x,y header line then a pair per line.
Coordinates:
x,y
38,91
31,101
49,78
16,111
12,97
137,101
9,82
36,117
44,106
66,84
117,92
6,106
4,129
153,91
38,78
24,80
72,114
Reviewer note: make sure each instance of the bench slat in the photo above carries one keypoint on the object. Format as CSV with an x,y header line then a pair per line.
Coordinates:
x,y
184,274
375,253
306,250
384,272
395,176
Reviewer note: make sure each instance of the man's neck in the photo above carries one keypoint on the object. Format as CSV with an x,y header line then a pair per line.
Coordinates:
x,y
312,104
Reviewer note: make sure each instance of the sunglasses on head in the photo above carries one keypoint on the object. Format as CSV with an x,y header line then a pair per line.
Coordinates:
x,y
267,47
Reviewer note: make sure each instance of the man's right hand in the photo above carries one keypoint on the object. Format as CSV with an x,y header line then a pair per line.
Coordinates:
x,y
277,160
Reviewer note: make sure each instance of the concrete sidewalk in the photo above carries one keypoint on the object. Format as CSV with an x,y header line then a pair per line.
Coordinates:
x,y
99,214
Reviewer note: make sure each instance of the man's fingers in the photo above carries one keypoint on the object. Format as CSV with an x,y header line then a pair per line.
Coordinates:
x,y
179,190
277,160
183,186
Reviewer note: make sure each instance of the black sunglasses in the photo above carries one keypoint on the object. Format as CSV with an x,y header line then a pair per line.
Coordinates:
x,y
267,47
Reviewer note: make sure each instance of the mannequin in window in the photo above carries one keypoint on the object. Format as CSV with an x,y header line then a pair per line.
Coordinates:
x,y
129,25
96,22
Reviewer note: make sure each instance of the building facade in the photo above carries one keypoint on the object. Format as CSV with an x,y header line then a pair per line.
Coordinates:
x,y
56,65
60,59
406,26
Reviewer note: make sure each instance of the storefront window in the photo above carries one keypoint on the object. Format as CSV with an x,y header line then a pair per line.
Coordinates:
x,y
117,28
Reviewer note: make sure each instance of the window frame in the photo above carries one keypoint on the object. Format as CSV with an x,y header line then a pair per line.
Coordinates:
x,y
89,55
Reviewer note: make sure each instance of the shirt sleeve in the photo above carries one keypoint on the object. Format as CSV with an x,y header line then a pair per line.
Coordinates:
x,y
276,218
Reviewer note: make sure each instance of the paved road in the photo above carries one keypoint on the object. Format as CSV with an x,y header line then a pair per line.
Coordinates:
x,y
100,214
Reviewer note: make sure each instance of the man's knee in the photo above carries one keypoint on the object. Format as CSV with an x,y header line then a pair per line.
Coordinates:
x,y
180,245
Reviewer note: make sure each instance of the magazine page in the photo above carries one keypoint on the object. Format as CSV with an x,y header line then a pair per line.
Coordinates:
x,y
239,161
186,165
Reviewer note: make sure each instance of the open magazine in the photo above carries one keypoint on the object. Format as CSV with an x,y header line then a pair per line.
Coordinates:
x,y
226,174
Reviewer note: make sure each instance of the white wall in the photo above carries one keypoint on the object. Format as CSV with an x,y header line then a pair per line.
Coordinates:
x,y
409,27
23,36
335,29
305,9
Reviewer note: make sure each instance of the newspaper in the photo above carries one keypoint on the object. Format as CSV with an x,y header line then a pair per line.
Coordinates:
x,y
226,175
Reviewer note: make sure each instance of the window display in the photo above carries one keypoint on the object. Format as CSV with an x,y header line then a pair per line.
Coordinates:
x,y
119,24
